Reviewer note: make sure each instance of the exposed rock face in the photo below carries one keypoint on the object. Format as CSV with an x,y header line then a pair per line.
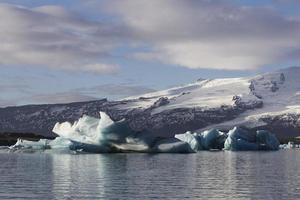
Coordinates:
x,y
161,102
274,86
283,126
251,104
282,78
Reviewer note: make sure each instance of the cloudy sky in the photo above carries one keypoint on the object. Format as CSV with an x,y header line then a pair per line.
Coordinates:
x,y
76,50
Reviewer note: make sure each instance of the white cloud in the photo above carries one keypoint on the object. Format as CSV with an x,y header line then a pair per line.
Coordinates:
x,y
23,94
210,33
115,91
110,91
60,97
50,36
101,68
213,34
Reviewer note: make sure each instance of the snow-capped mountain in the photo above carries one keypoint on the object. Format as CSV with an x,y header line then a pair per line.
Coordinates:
x,y
270,101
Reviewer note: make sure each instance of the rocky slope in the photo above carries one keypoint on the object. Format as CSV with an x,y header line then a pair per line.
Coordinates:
x,y
270,101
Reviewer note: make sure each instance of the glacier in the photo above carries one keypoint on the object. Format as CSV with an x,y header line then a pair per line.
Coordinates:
x,y
94,135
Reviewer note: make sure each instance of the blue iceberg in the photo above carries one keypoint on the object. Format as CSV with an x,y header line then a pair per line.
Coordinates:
x,y
241,140
207,140
172,145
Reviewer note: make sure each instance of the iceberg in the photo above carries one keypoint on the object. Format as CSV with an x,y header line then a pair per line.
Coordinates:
x,y
289,145
95,135
267,140
207,140
90,130
103,135
41,144
241,140
60,143
190,139
212,139
172,145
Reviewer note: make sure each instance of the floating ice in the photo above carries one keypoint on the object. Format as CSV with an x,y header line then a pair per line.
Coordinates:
x,y
267,140
172,145
103,135
207,140
289,145
90,130
213,139
60,143
36,145
241,140
95,135
191,139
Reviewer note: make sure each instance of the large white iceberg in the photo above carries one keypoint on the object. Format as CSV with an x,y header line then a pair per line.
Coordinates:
x,y
103,135
92,134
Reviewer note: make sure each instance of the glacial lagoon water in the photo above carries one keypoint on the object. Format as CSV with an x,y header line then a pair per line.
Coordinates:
x,y
203,175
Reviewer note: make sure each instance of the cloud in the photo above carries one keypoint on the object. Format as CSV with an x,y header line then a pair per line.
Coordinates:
x,y
51,36
116,91
209,34
61,97
287,1
14,87
110,91
5,103
101,68
12,91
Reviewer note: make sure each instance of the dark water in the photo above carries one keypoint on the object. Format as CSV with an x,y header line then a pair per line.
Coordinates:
x,y
205,175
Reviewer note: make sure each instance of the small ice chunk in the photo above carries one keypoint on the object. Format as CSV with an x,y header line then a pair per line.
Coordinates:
x,y
36,145
189,138
172,145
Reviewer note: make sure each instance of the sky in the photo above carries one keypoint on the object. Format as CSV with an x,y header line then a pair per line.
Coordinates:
x,y
58,51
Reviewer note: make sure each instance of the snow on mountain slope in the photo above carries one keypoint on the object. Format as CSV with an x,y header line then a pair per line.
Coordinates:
x,y
279,91
205,94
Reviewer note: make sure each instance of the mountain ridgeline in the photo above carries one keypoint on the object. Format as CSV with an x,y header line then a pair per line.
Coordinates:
x,y
268,101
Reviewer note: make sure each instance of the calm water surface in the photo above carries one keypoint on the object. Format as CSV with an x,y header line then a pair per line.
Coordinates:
x,y
205,175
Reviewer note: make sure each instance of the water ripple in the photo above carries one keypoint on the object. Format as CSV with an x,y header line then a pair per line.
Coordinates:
x,y
205,175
